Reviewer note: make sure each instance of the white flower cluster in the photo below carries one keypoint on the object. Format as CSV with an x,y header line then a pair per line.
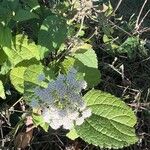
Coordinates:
x,y
62,101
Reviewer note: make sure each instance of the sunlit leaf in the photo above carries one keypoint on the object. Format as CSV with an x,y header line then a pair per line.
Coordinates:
x,y
2,92
85,61
38,120
21,49
52,33
111,124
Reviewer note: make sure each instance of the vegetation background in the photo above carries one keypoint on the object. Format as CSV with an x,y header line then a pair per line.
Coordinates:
x,y
120,37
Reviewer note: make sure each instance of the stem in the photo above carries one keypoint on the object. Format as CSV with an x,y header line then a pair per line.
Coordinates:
x,y
119,3
120,28
81,26
138,18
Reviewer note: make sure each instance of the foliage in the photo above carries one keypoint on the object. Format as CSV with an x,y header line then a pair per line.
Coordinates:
x,y
49,38
111,121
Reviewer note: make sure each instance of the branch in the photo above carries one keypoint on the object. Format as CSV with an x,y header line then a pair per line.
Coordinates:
x,y
138,18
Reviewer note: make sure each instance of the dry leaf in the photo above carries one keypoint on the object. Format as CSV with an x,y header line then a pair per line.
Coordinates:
x,y
28,120
103,8
23,139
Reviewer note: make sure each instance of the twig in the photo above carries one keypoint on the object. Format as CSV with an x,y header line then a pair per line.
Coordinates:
x,y
81,26
144,30
139,25
147,95
134,90
3,142
94,33
119,3
140,105
120,28
16,103
138,18
59,140
144,17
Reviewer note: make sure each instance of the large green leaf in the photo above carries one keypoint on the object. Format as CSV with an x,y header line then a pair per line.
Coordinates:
x,y
23,15
21,49
33,6
111,124
5,36
5,67
85,61
31,77
5,13
17,78
2,92
86,55
32,73
52,33
17,74
3,56
25,73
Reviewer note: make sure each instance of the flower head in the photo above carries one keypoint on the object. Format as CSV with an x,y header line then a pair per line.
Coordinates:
x,y
62,101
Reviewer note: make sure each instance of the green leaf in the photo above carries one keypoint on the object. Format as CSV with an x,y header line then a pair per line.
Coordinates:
x,y
2,92
5,67
31,76
3,56
23,15
106,39
5,36
85,61
109,11
129,46
26,72
12,4
32,73
38,120
72,134
86,55
21,49
32,3
111,124
5,13
17,78
52,33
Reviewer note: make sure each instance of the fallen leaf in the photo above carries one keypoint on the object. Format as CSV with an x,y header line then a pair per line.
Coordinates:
x,y
23,139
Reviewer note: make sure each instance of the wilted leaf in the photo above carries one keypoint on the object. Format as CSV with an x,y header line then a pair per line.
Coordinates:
x,y
23,139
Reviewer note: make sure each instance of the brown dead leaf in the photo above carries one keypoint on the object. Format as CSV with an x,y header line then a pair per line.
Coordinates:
x,y
28,120
23,139
103,8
